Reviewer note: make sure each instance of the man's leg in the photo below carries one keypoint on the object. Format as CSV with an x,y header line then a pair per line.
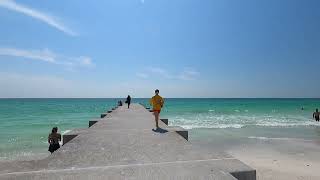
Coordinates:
x,y
156,116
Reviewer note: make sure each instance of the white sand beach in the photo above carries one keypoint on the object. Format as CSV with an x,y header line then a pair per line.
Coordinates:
x,y
276,159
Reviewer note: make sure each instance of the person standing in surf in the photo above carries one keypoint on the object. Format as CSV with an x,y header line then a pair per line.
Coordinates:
x,y
54,139
316,115
157,104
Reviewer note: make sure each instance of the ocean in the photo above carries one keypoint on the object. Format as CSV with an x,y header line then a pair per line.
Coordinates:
x,y
26,123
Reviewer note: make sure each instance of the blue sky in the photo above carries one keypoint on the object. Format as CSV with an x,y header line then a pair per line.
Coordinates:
x,y
186,48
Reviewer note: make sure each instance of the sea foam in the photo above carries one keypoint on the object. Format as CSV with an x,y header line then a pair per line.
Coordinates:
x,y
280,139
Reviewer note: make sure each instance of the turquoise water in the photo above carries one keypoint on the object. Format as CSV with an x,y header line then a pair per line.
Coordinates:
x,y
25,123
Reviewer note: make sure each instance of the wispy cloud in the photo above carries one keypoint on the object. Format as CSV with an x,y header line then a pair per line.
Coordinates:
x,y
48,56
160,72
51,21
185,74
43,55
188,74
142,75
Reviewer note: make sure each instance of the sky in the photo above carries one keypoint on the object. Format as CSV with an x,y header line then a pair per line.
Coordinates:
x,y
185,48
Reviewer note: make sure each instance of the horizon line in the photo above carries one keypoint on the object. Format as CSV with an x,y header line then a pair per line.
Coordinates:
x,y
165,98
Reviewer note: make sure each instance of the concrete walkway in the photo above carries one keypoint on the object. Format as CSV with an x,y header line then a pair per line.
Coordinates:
x,y
122,145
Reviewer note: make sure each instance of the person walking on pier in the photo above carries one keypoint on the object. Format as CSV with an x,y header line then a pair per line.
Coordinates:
x,y
157,103
53,140
128,101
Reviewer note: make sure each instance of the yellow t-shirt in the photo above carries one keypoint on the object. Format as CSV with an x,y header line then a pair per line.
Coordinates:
x,y
157,102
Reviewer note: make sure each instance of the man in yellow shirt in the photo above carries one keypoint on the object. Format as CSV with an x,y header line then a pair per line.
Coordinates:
x,y
157,103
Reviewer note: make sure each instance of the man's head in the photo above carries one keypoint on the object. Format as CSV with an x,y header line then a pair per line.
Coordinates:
x,y
157,91
316,110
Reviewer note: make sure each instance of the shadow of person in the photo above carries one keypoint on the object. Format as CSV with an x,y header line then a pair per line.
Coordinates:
x,y
160,130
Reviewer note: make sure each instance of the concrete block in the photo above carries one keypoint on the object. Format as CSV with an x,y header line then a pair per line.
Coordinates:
x,y
68,137
109,111
165,121
72,134
184,134
103,115
92,122
245,175
179,130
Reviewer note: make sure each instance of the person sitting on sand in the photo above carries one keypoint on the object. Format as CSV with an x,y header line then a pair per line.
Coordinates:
x,y
157,103
316,115
53,140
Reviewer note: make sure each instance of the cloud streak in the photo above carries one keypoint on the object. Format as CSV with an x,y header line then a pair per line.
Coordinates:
x,y
142,75
51,21
48,56
187,74
160,72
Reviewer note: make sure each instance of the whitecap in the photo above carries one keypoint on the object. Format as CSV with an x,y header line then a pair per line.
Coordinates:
x,y
285,124
215,126
22,156
281,139
66,131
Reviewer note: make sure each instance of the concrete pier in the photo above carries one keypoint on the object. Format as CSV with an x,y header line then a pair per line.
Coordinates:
x,y
124,145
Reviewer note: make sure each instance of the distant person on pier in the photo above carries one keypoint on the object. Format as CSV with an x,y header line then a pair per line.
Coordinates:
x,y
157,104
316,115
54,139
128,101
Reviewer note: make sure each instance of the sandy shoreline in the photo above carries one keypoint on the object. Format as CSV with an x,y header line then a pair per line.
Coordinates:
x,y
281,159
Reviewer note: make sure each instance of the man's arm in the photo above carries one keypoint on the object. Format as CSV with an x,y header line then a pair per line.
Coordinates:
x,y
314,115
162,102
